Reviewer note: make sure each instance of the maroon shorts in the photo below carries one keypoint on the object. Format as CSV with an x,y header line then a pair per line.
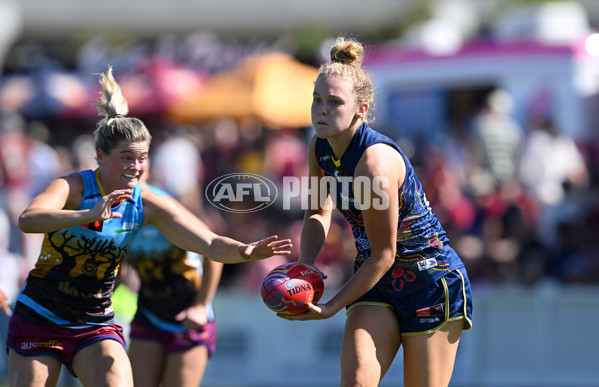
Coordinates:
x,y
30,339
176,341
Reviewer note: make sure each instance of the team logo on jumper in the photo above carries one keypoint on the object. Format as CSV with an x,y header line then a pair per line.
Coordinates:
x,y
427,264
241,192
98,225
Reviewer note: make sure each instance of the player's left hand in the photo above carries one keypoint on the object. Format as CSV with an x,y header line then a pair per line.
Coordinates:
x,y
4,304
194,317
314,312
267,247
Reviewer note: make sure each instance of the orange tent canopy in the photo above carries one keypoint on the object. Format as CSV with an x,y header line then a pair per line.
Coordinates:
x,y
274,87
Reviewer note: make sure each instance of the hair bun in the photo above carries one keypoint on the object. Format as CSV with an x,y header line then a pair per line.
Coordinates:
x,y
348,52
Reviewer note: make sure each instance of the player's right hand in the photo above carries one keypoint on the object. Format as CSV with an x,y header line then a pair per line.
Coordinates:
x,y
314,312
103,209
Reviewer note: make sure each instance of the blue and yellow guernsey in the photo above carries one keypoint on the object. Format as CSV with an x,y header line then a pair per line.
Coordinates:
x,y
75,274
423,252
170,278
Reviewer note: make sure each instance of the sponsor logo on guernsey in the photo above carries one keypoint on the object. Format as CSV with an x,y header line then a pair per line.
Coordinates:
x,y
121,231
427,264
127,227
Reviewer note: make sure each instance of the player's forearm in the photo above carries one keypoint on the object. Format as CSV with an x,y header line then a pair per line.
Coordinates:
x,y
362,281
227,250
190,235
313,237
43,220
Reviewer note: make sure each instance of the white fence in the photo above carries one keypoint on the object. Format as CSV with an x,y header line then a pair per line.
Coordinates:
x,y
540,336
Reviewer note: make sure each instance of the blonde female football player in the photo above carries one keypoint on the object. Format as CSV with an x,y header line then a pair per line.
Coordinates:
x,y
63,314
409,288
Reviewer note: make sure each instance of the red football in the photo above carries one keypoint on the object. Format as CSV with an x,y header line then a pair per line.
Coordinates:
x,y
288,288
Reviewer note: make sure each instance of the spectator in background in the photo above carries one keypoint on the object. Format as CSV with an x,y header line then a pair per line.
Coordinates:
x,y
11,279
496,144
284,156
44,162
10,283
177,167
554,169
15,145
83,150
551,164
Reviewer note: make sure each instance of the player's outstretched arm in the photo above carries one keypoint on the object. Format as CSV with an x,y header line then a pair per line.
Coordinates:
x,y
185,230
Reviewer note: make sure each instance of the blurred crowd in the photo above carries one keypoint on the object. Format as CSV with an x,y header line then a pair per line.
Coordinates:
x,y
518,205
519,202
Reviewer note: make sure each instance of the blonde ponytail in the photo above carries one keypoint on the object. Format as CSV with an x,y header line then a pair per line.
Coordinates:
x,y
112,103
115,127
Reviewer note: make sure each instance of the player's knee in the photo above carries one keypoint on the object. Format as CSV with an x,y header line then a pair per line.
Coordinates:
x,y
119,377
361,376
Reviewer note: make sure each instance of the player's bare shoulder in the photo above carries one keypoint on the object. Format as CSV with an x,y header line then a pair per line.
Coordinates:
x,y
73,185
381,160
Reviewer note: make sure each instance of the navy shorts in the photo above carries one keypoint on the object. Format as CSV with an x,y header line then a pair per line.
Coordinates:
x,y
424,312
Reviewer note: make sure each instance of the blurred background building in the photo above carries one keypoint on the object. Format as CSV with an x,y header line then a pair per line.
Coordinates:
x,y
495,102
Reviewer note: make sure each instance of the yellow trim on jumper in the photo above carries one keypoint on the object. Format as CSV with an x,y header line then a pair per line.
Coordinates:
x,y
101,187
336,162
102,192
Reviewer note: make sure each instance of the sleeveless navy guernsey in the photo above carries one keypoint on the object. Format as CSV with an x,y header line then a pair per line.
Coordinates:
x,y
423,252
